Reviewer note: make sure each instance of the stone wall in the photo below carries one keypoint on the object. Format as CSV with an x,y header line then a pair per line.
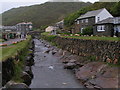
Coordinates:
x,y
24,57
107,51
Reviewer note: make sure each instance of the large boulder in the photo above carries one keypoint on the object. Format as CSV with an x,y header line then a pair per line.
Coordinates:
x,y
26,78
89,71
28,70
98,75
108,79
12,84
29,61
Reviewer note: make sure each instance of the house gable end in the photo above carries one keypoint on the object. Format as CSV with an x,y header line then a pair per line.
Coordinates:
x,y
104,14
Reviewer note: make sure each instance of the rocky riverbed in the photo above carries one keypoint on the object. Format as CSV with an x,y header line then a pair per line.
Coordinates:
x,y
49,72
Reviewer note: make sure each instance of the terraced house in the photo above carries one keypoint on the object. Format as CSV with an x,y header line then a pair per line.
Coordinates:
x,y
17,31
90,19
108,27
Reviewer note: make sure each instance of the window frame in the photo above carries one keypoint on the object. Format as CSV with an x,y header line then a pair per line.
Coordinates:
x,y
86,20
100,28
82,21
78,22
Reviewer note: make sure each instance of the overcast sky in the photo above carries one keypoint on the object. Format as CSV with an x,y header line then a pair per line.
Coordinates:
x,y
8,4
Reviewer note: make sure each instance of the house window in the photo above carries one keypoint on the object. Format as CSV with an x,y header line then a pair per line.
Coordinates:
x,y
98,19
78,22
86,20
82,21
100,28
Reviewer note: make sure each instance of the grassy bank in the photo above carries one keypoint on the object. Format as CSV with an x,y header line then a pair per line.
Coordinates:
x,y
48,37
20,50
94,38
13,49
84,37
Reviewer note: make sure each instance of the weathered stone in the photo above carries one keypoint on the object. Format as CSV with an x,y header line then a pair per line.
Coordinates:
x,y
87,71
29,71
29,61
47,51
7,70
69,66
107,80
95,48
53,52
72,61
88,85
12,84
26,78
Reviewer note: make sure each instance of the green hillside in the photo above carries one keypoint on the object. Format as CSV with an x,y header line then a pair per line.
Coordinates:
x,y
43,14
112,7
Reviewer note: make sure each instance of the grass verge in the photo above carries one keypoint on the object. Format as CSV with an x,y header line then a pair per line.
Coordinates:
x,y
94,38
13,49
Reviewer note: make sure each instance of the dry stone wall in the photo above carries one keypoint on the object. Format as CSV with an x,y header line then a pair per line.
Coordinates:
x,y
107,51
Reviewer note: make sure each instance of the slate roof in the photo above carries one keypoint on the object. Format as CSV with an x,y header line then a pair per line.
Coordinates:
x,y
108,20
114,20
91,13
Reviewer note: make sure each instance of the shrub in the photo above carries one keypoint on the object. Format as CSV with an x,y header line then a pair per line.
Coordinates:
x,y
88,30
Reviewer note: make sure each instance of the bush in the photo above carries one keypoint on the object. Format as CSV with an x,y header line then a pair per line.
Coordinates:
x,y
65,33
88,31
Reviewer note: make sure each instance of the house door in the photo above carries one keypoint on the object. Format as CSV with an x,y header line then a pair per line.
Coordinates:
x,y
81,30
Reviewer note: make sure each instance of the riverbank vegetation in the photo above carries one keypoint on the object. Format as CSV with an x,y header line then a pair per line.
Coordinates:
x,y
12,50
17,54
50,37
93,38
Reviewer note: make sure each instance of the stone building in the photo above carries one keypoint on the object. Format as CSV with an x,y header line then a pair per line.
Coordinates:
x,y
8,32
20,30
108,27
60,24
23,28
90,18
51,29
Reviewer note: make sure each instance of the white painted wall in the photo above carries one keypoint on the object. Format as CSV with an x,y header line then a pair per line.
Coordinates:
x,y
49,29
104,14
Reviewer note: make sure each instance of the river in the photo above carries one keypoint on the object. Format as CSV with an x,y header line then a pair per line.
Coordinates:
x,y
49,72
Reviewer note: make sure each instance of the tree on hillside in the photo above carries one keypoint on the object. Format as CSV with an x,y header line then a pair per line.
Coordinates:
x,y
116,9
69,20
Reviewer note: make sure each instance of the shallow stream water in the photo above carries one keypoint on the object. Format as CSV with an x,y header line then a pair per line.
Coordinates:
x,y
49,72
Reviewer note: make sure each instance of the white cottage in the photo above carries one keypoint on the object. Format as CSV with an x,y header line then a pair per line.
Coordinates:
x,y
91,18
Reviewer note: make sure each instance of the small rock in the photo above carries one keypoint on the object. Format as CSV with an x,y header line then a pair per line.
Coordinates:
x,y
72,61
53,52
88,85
69,66
47,51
